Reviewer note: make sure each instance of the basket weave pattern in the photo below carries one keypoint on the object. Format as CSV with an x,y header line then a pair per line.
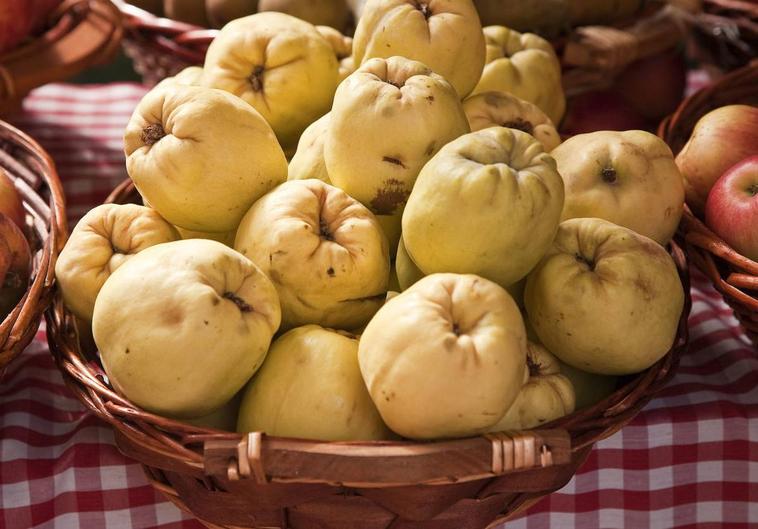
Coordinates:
x,y
593,55
734,275
229,480
36,180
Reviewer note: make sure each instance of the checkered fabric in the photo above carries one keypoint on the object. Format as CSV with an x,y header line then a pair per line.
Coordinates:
x,y
690,459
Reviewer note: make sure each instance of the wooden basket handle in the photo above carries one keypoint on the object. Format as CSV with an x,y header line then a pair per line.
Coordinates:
x,y
83,33
262,459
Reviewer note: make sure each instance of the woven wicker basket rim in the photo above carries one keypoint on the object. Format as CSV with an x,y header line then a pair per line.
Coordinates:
x,y
36,180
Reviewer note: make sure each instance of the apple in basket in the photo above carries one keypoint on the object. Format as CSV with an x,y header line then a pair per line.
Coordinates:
x,y
15,264
10,201
720,139
732,207
20,18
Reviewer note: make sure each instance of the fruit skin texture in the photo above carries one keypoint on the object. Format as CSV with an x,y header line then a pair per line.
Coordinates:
x,y
407,271
500,109
224,237
488,203
10,201
605,299
446,35
732,207
589,388
324,251
545,396
278,64
618,175
389,118
182,326
15,265
216,156
308,161
524,65
720,139
343,49
310,387
445,358
103,240
334,13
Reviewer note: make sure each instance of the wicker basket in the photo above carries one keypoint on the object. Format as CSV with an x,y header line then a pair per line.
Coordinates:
x,y
81,33
228,480
726,34
36,180
592,55
734,275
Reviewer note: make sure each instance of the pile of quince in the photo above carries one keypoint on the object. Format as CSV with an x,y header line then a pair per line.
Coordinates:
x,y
248,283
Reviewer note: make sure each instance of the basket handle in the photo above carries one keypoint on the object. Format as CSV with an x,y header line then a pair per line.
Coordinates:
x,y
83,33
260,458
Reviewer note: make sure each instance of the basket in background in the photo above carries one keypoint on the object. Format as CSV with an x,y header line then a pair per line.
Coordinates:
x,y
36,180
591,55
80,34
726,33
734,275
229,480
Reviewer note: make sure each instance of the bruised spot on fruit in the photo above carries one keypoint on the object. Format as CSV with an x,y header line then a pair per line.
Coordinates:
x,y
256,78
492,99
645,288
395,161
152,134
609,175
173,316
387,199
330,272
430,98
126,352
520,124
241,303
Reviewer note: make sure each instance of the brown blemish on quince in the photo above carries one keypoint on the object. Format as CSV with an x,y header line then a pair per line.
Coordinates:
x,y
388,198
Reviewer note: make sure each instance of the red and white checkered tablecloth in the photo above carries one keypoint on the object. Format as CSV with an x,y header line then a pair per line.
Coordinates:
x,y
690,459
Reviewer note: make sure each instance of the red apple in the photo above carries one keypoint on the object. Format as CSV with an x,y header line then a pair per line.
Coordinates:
x,y
654,86
731,210
19,18
720,139
595,111
10,201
